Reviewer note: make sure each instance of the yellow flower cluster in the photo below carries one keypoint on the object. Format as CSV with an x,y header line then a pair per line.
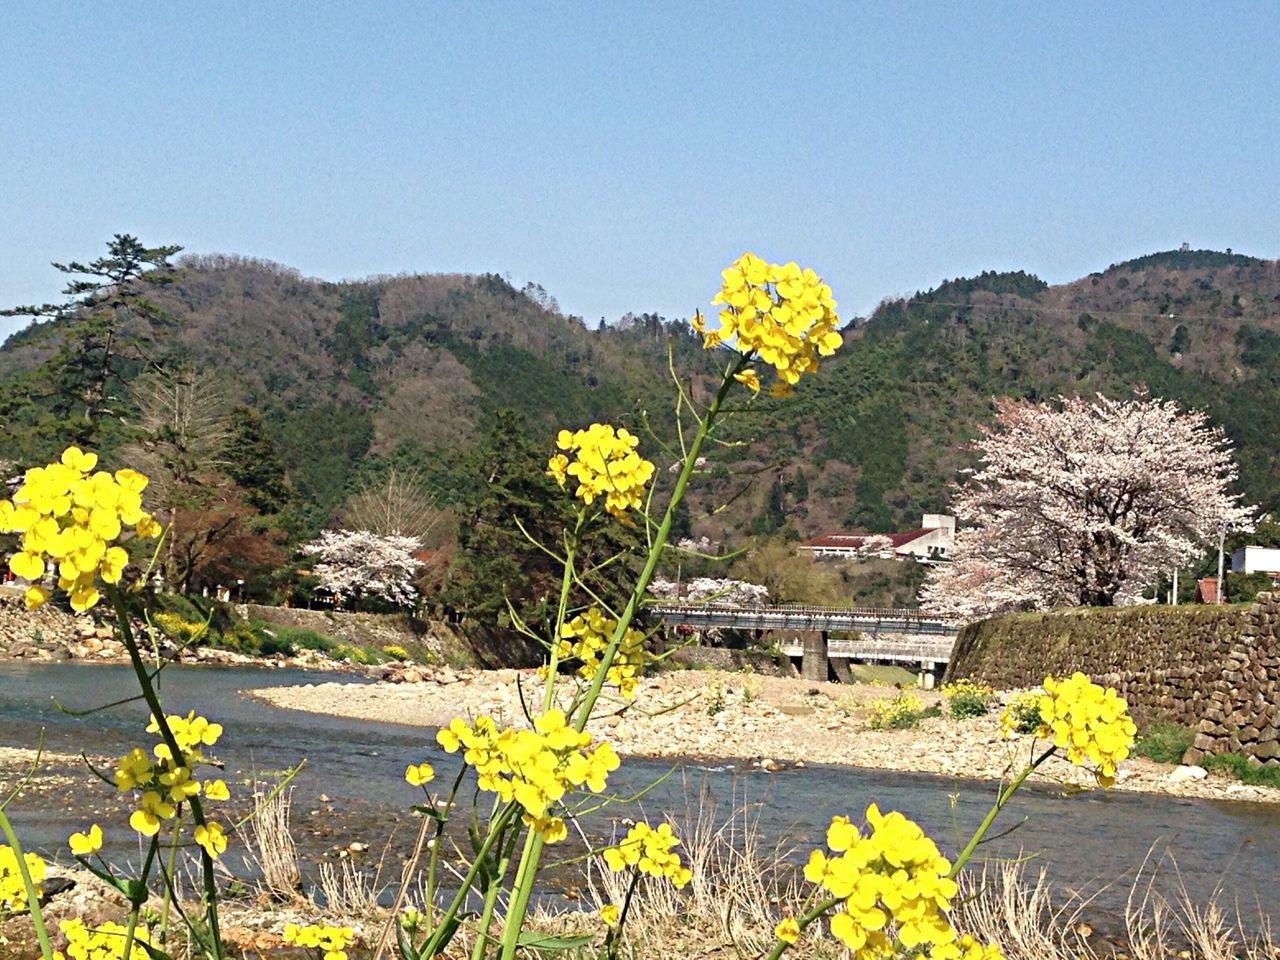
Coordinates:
x,y
651,851
1021,714
893,874
888,713
966,948
179,627
13,895
965,687
605,465
778,311
332,942
69,518
103,942
585,638
1091,723
535,768
165,782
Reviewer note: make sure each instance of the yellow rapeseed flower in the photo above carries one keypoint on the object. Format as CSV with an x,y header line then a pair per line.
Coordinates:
x,y
13,892
104,942
651,851
585,638
330,942
893,880
535,768
212,837
1091,723
609,913
779,312
787,930
605,465
419,773
84,844
69,517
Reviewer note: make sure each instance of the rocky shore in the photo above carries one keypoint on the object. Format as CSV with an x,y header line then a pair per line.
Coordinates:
x,y
771,722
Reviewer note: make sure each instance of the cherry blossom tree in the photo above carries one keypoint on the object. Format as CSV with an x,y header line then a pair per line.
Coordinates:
x,y
1084,502
738,593
356,563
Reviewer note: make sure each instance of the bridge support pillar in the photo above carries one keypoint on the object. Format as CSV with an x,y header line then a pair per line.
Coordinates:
x,y
840,666
814,665
930,673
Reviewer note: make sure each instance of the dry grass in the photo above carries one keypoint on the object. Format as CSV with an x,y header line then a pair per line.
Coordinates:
x,y
272,849
347,890
1016,910
731,903
742,884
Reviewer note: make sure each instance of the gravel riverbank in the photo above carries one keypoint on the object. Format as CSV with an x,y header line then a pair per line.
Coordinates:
x,y
771,721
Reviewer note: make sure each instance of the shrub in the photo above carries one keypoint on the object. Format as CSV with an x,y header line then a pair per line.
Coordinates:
x,y
395,651
1022,713
968,698
1243,769
899,713
1164,742
178,628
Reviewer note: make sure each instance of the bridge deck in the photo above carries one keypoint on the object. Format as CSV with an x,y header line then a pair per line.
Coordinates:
x,y
804,617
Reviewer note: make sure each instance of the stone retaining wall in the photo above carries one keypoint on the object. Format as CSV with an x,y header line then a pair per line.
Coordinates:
x,y
376,629
1215,668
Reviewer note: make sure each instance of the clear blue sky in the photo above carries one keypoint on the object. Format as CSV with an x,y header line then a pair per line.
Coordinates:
x,y
621,154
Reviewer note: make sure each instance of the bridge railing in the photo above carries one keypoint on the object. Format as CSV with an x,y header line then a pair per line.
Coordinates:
x,y
871,613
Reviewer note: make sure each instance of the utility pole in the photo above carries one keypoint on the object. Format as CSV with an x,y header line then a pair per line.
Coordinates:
x,y
1222,541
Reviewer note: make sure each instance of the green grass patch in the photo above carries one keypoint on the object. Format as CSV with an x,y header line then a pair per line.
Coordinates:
x,y
1240,767
1164,742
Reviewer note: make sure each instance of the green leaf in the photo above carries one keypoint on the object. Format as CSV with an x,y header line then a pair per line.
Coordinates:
x,y
545,941
155,953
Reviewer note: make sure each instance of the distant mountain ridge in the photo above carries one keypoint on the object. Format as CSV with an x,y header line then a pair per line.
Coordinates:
x,y
411,369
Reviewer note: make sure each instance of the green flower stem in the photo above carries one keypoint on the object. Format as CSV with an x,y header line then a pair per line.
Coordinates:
x,y
490,900
157,711
562,609
433,860
443,933
168,896
705,425
1005,795
139,897
33,896
532,854
822,907
614,937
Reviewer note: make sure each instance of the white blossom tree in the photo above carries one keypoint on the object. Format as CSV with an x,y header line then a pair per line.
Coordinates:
x,y
356,563
1080,502
738,593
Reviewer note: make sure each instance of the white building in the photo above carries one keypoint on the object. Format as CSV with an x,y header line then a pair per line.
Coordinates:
x,y
935,537
1256,560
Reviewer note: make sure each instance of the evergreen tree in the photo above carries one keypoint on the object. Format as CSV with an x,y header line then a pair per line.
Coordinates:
x,y
105,321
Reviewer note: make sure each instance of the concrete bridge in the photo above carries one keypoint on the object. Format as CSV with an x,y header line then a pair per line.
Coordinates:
x,y
889,635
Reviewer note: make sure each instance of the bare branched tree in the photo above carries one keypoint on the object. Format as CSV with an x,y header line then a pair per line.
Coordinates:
x,y
398,505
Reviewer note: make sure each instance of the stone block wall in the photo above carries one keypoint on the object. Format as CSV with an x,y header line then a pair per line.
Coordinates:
x,y
1214,668
377,629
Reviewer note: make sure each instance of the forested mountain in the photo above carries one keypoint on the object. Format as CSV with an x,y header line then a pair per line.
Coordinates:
x,y
338,380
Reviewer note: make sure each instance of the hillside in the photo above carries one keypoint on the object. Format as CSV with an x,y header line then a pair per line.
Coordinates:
x,y
410,369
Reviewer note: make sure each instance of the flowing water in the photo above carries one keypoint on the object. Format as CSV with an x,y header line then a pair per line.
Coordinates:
x,y
352,788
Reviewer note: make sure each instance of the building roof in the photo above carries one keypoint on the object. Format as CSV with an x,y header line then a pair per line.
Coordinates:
x,y
855,539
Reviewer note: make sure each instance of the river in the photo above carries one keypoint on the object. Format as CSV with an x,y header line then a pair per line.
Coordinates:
x,y
352,788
